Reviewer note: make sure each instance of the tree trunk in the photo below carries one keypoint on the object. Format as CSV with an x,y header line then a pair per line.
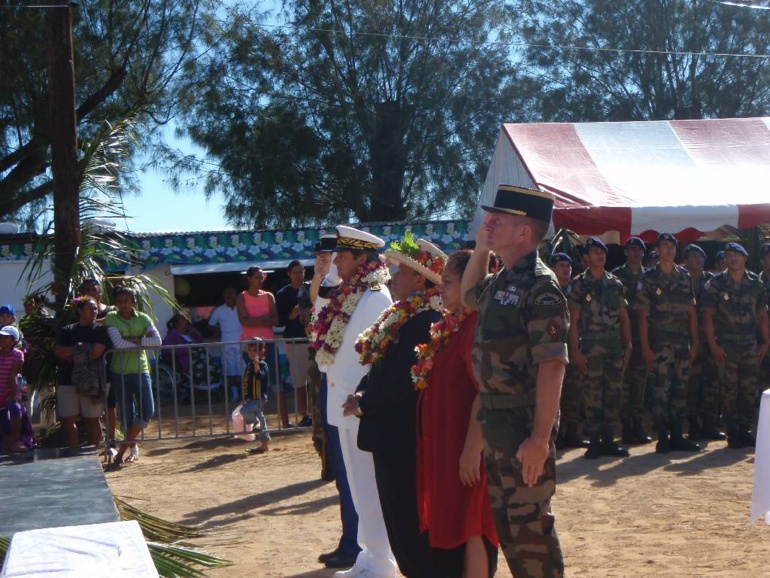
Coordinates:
x,y
64,161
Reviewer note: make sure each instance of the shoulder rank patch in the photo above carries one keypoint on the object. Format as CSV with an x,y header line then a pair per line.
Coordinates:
x,y
553,329
375,286
548,298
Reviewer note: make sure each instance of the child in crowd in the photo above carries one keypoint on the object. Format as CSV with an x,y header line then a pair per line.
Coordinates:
x,y
254,391
11,410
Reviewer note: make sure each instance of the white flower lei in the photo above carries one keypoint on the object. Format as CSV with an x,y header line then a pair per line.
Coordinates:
x,y
328,343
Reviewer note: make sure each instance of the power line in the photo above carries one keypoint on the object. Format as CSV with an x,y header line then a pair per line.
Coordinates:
x,y
743,5
563,47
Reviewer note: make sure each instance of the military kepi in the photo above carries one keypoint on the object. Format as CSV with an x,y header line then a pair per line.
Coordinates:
x,y
326,244
350,239
523,202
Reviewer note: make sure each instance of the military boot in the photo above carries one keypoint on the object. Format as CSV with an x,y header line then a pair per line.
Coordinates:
x,y
694,431
641,436
677,441
734,440
662,447
594,448
571,437
711,432
610,448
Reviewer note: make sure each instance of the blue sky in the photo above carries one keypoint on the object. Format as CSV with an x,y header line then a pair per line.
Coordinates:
x,y
158,208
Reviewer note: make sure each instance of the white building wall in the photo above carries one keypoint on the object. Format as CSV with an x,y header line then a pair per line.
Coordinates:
x,y
13,283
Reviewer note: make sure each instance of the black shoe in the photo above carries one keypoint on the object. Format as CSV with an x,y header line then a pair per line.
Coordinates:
x,y
679,444
641,437
662,447
734,438
306,421
324,558
610,448
341,560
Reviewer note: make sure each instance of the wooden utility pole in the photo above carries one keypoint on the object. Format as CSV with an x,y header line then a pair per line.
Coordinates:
x,y
63,127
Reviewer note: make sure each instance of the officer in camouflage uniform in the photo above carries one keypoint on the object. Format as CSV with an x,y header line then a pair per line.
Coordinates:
x,y
635,377
571,405
719,262
519,355
702,386
668,333
734,310
600,347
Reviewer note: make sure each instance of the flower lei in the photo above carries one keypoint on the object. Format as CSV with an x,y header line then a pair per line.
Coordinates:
x,y
327,327
372,344
440,334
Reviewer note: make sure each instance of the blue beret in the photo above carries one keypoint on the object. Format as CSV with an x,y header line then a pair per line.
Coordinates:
x,y
764,250
666,237
595,242
635,242
7,309
719,255
737,247
693,247
559,257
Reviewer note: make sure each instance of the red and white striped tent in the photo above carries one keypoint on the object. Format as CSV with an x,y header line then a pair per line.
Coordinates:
x,y
618,179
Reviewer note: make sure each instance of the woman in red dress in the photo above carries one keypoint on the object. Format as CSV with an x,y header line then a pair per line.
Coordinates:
x,y
452,494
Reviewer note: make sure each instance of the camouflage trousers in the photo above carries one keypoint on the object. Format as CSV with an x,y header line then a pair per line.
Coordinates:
x,y
571,402
634,383
739,380
523,518
667,383
703,388
602,386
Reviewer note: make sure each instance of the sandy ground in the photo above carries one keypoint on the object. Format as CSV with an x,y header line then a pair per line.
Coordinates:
x,y
647,515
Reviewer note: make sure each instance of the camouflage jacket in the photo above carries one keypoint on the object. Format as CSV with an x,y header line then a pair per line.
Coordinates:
x,y
523,320
599,302
735,306
630,280
666,299
699,285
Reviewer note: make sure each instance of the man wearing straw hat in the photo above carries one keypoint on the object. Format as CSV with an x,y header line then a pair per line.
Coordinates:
x,y
519,356
386,400
353,307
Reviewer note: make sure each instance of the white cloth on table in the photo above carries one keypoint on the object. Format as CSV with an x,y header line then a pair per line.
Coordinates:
x,y
112,550
760,496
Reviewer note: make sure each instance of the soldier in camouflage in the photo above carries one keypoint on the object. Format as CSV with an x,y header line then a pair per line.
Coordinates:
x,y
702,386
635,376
719,262
734,312
600,348
519,355
668,333
571,405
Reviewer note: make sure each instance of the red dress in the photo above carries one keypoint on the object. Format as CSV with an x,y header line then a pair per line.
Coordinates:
x,y
450,511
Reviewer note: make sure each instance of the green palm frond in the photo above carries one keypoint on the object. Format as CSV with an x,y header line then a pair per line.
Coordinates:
x,y
178,561
157,529
408,246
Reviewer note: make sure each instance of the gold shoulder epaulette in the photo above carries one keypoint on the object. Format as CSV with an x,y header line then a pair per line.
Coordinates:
x,y
375,286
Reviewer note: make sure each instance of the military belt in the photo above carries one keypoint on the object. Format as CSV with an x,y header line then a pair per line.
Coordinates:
x,y
737,338
507,400
669,329
601,336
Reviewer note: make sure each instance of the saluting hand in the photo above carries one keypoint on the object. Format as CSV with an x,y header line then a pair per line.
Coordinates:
x,y
532,455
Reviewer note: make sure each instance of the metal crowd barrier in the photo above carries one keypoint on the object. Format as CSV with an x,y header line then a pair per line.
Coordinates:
x,y
186,406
